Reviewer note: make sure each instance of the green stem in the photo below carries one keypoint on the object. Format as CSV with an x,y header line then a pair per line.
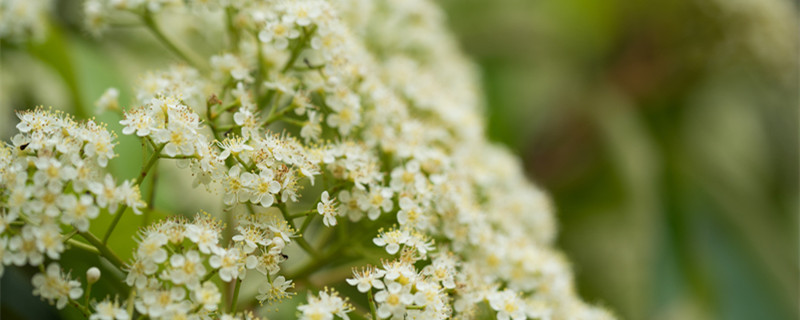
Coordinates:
x,y
233,104
151,197
278,115
150,22
300,240
131,299
88,293
150,163
118,215
209,276
302,214
104,251
306,223
232,31
83,309
82,246
298,48
235,299
69,235
372,305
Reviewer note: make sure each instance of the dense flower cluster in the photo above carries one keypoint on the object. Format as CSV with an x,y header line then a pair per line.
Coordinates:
x,y
325,105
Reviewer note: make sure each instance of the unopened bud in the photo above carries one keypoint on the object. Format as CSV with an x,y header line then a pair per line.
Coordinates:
x,y
92,275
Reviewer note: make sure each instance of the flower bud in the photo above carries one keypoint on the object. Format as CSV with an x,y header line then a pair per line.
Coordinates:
x,y
92,275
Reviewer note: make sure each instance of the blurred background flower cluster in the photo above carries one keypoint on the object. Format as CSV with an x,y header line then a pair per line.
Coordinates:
x,y
665,131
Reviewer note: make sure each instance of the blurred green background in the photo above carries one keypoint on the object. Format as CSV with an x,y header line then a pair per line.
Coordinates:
x,y
665,131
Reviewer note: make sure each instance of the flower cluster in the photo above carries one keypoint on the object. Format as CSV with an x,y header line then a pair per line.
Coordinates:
x,y
176,259
51,178
315,110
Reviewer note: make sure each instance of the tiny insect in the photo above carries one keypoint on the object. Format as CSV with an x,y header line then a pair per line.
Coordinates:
x,y
22,147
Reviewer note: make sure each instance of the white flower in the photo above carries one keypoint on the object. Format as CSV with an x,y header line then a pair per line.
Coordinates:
x,y
151,248
327,208
138,120
179,139
326,306
23,247
99,143
105,193
250,238
507,304
311,129
367,279
130,195
229,64
49,241
205,237
108,101
278,32
345,120
264,187
208,296
109,310
230,262
78,213
56,286
235,183
274,291
52,173
393,300
377,200
185,269
391,239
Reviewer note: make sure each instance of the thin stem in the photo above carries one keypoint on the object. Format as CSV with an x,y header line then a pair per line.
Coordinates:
x,y
151,197
131,298
83,309
69,235
104,251
372,305
302,214
232,31
82,246
225,108
118,215
209,275
153,26
298,48
235,299
300,240
277,115
306,223
150,163
88,293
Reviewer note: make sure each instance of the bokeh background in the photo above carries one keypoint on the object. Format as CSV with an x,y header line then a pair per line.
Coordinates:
x,y
665,131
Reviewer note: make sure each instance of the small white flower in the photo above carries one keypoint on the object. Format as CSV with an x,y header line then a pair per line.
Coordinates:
x,y
108,101
109,310
78,213
55,286
274,291
367,279
507,304
208,296
327,208
230,262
